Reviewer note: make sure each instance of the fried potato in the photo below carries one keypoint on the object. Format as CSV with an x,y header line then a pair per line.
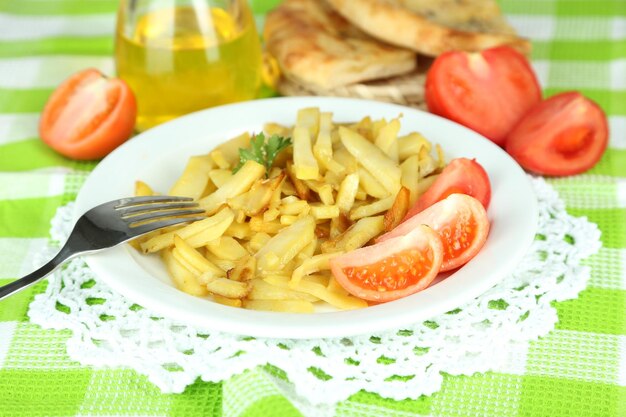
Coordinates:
x,y
237,184
182,277
194,179
286,244
282,306
398,210
197,234
272,232
385,170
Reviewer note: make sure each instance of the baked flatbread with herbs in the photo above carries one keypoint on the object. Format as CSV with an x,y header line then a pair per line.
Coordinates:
x,y
317,48
431,27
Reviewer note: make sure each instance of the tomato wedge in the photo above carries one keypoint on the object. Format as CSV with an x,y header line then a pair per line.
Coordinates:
x,y
564,135
461,222
461,176
88,115
488,92
391,269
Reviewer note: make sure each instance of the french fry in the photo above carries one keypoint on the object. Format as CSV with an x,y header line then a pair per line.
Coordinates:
x,y
347,192
410,177
323,148
282,306
339,224
356,236
288,219
263,290
230,148
211,233
142,189
412,144
224,264
371,185
218,158
258,224
237,184
194,261
427,163
324,191
213,226
231,302
271,214
276,129
287,243
244,270
385,170
310,119
229,288
310,266
398,210
258,198
425,184
301,189
321,211
336,299
294,207
226,247
239,230
372,209
183,278
258,241
346,160
304,163
387,139
194,179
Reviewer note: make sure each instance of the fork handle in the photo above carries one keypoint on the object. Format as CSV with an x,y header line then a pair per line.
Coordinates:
x,y
19,284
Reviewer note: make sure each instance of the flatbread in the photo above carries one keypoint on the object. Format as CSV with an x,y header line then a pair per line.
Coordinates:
x,y
432,27
407,90
317,48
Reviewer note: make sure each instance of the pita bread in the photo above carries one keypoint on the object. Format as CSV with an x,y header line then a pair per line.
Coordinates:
x,y
432,27
317,48
407,90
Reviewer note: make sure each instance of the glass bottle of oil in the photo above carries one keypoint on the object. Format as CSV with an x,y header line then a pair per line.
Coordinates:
x,y
179,56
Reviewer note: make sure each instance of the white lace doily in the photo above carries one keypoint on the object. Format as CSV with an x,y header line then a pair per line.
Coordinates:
x,y
109,330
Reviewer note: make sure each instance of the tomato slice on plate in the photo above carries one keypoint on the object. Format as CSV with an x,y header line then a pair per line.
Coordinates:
x,y
88,115
564,135
488,91
460,176
391,269
461,222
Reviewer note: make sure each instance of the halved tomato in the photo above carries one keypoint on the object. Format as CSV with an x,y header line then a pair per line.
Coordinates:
x,y
391,269
487,91
461,222
88,115
461,176
564,135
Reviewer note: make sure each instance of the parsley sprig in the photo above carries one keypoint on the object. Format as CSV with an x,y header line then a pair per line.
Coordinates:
x,y
262,150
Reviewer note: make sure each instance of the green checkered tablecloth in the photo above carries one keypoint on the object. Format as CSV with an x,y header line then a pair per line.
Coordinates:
x,y
577,370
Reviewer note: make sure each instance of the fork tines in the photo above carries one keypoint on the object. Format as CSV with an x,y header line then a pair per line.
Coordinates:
x,y
140,211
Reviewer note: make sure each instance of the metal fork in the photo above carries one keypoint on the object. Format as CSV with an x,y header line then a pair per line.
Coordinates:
x,y
110,224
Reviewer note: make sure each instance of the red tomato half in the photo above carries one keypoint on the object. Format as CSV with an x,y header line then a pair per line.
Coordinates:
x,y
488,92
88,115
564,135
392,269
461,176
461,222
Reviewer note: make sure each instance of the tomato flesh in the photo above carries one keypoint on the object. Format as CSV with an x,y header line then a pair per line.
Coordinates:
x,y
392,269
393,273
88,116
460,176
488,92
461,223
564,135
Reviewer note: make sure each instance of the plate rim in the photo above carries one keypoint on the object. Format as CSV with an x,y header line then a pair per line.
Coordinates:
x,y
294,326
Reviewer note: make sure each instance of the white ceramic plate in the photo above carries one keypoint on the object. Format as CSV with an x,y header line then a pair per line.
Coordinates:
x,y
159,155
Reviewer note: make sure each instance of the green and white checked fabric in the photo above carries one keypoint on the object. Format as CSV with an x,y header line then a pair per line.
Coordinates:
x,y
578,370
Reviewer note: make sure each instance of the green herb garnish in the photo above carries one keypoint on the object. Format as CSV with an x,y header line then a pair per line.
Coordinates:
x,y
262,150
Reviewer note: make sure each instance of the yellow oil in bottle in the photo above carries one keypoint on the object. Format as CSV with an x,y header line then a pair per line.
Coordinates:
x,y
176,63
